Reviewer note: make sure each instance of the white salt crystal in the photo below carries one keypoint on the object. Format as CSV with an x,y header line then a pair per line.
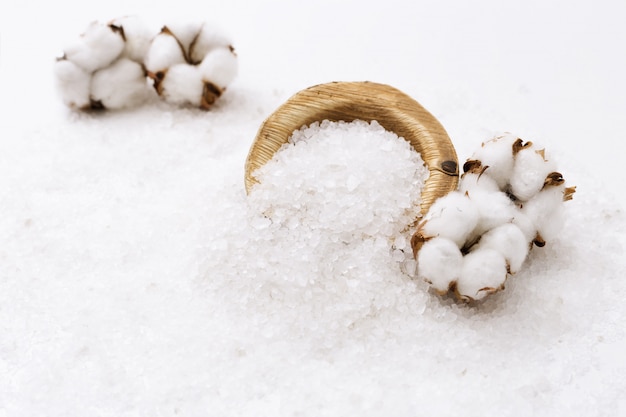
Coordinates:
x,y
323,165
120,85
483,272
439,263
73,84
97,48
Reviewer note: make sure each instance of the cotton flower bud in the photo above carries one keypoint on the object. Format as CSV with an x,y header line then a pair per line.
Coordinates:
x,y
73,84
439,263
137,37
207,55
209,39
164,52
545,210
182,85
97,48
483,272
219,67
497,155
453,216
529,172
494,208
509,241
186,34
471,182
123,84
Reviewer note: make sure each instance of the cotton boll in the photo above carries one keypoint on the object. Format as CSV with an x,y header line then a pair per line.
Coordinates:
x,y
164,52
219,67
207,40
453,216
526,226
497,155
73,84
97,48
529,172
471,182
182,85
185,32
137,36
483,272
439,263
510,241
494,208
545,210
123,84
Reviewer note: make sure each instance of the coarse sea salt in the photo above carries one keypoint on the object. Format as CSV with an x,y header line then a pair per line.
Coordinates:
x,y
354,178
331,213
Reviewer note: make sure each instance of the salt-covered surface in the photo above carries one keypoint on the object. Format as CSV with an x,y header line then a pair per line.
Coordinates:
x,y
133,279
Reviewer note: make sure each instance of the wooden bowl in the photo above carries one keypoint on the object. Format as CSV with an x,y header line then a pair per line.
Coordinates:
x,y
349,101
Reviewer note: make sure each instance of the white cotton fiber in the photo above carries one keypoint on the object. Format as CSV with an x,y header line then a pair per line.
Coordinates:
x,y
185,32
529,172
471,182
120,85
439,263
509,241
73,84
182,85
97,48
526,225
545,210
138,37
453,216
164,52
207,40
219,67
483,272
497,155
494,208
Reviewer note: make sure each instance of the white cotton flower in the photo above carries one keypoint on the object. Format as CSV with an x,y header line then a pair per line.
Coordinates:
x,y
529,172
137,37
509,241
164,52
471,182
526,225
73,84
120,85
439,263
483,272
186,33
453,216
97,48
497,155
182,85
494,208
207,40
545,210
219,67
